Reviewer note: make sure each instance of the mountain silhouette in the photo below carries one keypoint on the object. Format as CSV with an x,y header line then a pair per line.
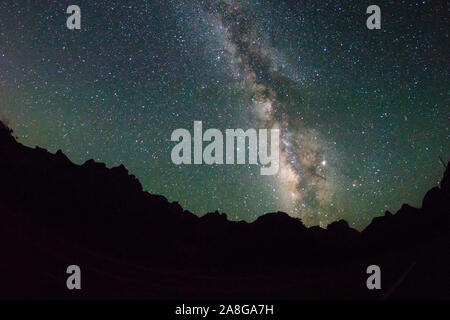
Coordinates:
x,y
132,244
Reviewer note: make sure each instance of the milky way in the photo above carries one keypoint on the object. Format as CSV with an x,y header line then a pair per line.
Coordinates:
x,y
364,114
302,177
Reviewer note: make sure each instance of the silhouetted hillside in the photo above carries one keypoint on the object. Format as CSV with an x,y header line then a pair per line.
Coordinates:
x,y
49,204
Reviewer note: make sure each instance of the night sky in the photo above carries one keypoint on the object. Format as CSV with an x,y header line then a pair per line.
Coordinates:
x,y
364,114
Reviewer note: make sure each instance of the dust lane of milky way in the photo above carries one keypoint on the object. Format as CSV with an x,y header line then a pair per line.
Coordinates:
x,y
302,165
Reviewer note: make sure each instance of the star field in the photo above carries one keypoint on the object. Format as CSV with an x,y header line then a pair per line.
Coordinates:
x,y
364,114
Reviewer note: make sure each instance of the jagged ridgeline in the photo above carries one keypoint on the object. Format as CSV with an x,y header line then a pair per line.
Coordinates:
x,y
49,190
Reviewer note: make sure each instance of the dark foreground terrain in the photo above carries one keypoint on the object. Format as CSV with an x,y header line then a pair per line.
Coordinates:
x,y
131,244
